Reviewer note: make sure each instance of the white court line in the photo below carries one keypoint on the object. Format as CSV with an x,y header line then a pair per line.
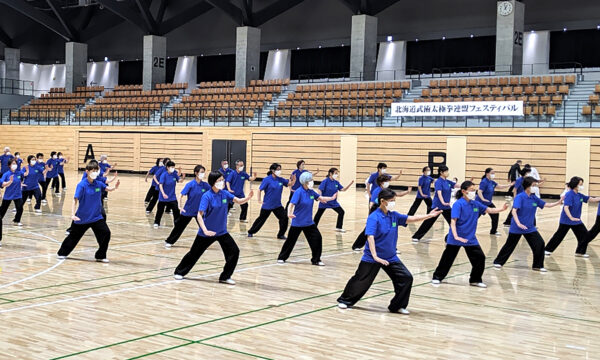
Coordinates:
x,y
32,276
40,235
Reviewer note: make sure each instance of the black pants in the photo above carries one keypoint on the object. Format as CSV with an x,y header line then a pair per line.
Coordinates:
x,y
360,241
243,213
495,219
475,255
264,215
417,203
153,199
340,218
595,230
180,224
358,284
37,194
45,187
535,241
201,243
62,178
313,236
99,228
170,205
289,199
580,232
103,213
4,208
508,217
427,224
151,191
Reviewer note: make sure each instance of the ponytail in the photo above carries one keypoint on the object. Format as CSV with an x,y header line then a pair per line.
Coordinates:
x,y
273,168
464,186
487,171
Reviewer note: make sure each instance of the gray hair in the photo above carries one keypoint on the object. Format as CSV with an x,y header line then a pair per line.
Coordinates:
x,y
305,178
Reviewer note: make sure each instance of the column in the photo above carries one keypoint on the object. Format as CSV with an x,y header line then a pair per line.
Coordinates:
x,y
536,52
391,61
279,65
363,47
578,160
155,61
348,158
456,156
247,55
12,61
510,22
76,66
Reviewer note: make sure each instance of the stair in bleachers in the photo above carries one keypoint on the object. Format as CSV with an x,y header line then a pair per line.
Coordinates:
x,y
570,114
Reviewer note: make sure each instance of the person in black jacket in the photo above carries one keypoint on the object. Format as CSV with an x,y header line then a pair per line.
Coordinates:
x,y
513,174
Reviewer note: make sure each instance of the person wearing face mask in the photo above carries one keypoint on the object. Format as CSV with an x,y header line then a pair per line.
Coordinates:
x,y
152,189
4,159
19,160
155,179
31,186
486,194
105,166
43,171
524,209
465,214
423,192
300,211
380,252
329,186
300,169
272,185
51,175
87,212
371,183
61,169
570,219
235,184
225,170
518,188
212,218
193,190
167,183
11,182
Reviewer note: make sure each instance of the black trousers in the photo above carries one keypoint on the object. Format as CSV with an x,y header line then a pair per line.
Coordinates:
x,y
475,255
535,241
151,191
495,218
264,215
100,229
360,241
201,243
180,224
427,224
595,230
340,218
358,284
580,232
508,217
289,199
37,194
313,236
103,213
160,210
62,178
45,187
417,203
243,207
153,199
4,208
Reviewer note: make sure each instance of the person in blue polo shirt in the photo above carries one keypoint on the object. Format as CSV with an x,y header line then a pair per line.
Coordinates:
x,y
524,209
105,166
465,215
212,218
570,219
52,175
41,165
300,169
380,252
168,198
31,187
152,189
19,160
61,169
518,188
155,178
235,182
272,185
87,213
4,158
328,187
300,211
485,194
11,182
193,190
423,192
225,170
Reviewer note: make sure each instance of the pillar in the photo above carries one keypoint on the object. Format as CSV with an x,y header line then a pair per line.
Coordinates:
x,y
155,61
363,47
510,22
12,61
391,61
456,156
75,66
279,65
536,52
578,160
247,55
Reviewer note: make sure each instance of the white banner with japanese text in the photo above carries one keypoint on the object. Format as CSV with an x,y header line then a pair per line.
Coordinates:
x,y
470,108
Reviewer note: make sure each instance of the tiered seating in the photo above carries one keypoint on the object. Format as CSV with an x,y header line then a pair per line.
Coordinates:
x,y
594,103
56,104
341,100
176,86
128,87
541,94
57,90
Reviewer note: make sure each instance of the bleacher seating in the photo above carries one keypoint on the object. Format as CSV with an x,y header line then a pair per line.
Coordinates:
x,y
594,103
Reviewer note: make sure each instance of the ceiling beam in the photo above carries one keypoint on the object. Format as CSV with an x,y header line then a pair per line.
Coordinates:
x,y
61,16
143,6
353,5
375,7
273,10
184,16
5,39
234,12
247,7
86,16
100,27
126,11
161,11
38,16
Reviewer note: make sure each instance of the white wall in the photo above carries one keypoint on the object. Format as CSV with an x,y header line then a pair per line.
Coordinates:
x,y
391,60
279,65
104,73
44,77
536,52
186,71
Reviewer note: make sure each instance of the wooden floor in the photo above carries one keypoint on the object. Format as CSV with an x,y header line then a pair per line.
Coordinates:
x,y
132,307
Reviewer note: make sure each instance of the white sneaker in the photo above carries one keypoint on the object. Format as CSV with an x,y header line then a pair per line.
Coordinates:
x,y
497,233
67,232
229,281
340,230
178,277
29,201
479,285
244,221
106,261
281,261
357,249
147,212
540,269
403,311
320,263
585,256
498,266
44,202
435,282
155,226
38,211
61,257
167,245
415,240
342,305
547,253
17,224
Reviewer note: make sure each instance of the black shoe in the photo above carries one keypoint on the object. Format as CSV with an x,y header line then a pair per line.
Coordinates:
x,y
282,237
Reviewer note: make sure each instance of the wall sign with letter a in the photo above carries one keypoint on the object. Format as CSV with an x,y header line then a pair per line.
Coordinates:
x,y
435,160
89,154
158,62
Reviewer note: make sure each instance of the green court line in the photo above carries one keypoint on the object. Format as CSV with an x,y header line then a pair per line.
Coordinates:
x,y
162,350
236,351
177,337
6,300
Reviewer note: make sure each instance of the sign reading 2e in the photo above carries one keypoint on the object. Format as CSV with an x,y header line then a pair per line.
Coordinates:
x,y
158,62
518,38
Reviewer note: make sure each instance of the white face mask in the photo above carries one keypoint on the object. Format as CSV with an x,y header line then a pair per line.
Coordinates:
x,y
534,189
384,171
471,195
61,157
8,153
220,185
427,173
580,187
225,166
311,184
277,172
13,167
161,163
390,205
170,170
241,168
40,160
32,163
335,176
492,176
18,156
200,176
94,175
54,156
386,184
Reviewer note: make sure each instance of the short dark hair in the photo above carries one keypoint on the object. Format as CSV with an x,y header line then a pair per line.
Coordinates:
x,y
92,165
300,162
29,158
273,168
38,155
442,169
384,194
158,161
382,178
425,168
170,163
52,153
213,177
332,170
464,186
197,168
528,181
381,165
574,182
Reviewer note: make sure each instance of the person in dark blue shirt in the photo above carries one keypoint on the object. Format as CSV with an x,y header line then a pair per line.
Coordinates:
x,y
423,192
11,182
570,219
235,182
465,215
329,186
380,252
41,164
212,218
168,197
300,211
61,169
87,212
518,188
272,185
155,179
19,160
193,190
52,176
485,195
523,224
4,158
152,189
31,187
300,169
371,183
225,170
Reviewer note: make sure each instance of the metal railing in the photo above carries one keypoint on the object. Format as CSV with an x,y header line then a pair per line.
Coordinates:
x,y
16,87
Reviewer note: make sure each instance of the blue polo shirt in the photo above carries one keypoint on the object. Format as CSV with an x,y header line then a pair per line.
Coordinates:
x,y
425,184
236,182
90,201
13,191
4,163
445,186
194,192
225,173
32,180
384,228
273,187
153,171
328,188
574,201
373,180
375,195
303,200
52,173
519,185
40,167
526,208
19,163
168,181
297,173
214,206
488,187
103,167
61,166
466,214
159,172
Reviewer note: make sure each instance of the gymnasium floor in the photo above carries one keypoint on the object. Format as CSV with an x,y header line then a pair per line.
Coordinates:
x,y
133,308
